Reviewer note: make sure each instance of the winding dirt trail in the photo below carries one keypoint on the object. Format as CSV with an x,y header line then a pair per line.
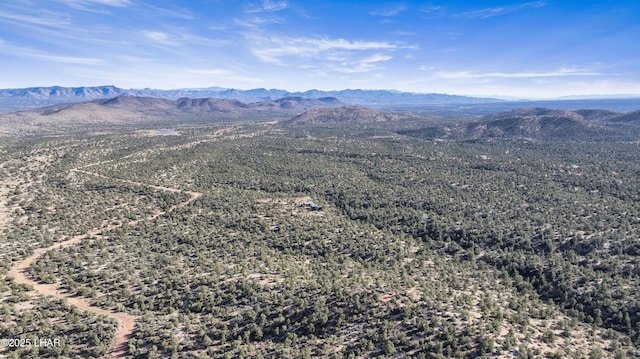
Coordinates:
x,y
126,322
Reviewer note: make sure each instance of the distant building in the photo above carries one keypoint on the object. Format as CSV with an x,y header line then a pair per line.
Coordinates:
x,y
312,206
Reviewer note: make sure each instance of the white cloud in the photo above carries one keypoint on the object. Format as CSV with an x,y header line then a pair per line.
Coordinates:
x,y
436,10
96,6
405,33
156,36
22,51
267,6
116,3
388,11
72,60
433,8
501,10
272,48
376,58
367,64
177,36
563,72
87,3
273,5
525,84
360,68
257,21
174,12
43,18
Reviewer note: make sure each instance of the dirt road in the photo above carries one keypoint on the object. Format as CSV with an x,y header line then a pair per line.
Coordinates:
x,y
126,322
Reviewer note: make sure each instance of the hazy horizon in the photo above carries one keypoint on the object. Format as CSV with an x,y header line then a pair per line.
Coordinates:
x,y
510,50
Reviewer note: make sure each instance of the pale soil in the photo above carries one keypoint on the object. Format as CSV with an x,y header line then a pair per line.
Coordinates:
x,y
126,322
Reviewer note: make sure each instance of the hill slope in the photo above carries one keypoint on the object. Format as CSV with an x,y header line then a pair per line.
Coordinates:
x,y
128,110
628,118
538,124
341,115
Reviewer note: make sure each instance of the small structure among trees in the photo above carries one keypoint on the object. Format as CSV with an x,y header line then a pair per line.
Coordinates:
x,y
311,206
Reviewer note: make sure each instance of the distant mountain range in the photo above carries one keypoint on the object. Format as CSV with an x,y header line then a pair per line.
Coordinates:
x,y
106,106
12,100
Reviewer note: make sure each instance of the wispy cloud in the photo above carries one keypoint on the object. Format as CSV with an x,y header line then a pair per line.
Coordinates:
x,y
393,11
257,21
87,3
176,12
266,6
71,59
432,9
376,58
22,51
179,36
157,36
42,18
500,10
405,33
272,48
367,64
464,75
96,6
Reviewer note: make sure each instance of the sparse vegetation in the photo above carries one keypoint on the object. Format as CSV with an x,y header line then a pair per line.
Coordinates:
x,y
422,248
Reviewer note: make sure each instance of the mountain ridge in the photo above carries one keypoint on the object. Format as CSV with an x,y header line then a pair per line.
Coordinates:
x,y
133,111
12,100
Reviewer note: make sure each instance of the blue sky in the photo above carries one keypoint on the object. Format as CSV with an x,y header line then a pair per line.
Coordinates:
x,y
523,49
